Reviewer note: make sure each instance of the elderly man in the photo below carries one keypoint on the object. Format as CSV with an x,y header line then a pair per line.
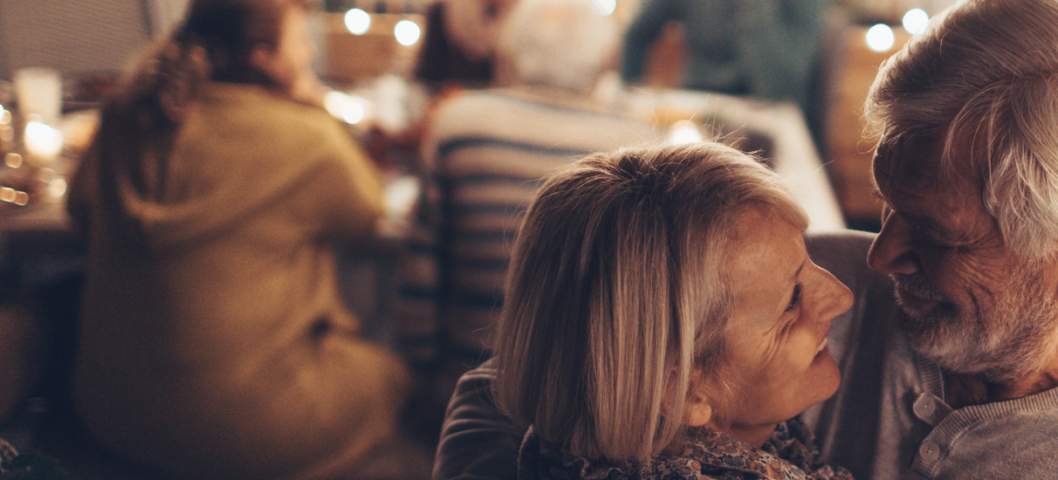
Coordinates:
x,y
960,380
967,165
486,153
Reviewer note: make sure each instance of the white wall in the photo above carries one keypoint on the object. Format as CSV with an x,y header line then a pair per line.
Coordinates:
x,y
71,36
165,14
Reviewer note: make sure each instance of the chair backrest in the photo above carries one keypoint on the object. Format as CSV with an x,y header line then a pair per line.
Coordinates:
x,y
77,36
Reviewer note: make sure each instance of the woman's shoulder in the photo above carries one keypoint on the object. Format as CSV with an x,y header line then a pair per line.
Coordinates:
x,y
705,454
257,107
269,124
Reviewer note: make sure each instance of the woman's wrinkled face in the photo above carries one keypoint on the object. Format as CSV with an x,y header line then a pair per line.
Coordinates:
x,y
783,304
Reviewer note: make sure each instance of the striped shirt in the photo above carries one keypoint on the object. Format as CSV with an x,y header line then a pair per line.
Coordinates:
x,y
485,156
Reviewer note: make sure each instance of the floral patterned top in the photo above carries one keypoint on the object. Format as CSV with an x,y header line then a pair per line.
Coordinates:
x,y
7,454
14,466
705,454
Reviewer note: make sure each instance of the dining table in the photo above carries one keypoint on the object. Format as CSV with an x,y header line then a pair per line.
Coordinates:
x,y
39,246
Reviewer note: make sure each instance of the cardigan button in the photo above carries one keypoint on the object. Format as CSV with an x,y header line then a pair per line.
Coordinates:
x,y
929,452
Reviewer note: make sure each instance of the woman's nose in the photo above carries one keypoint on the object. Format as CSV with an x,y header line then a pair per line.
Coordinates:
x,y
891,251
834,299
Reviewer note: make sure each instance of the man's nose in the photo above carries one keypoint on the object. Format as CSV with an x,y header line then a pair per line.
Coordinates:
x,y
891,251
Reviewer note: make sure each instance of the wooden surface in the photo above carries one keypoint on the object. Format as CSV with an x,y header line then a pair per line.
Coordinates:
x,y
848,148
351,58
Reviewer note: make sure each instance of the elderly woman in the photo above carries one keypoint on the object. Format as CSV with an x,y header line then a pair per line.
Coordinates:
x,y
213,340
663,320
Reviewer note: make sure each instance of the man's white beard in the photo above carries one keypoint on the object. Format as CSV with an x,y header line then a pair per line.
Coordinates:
x,y
1005,342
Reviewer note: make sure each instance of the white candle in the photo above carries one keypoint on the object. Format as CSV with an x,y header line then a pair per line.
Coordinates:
x,y
39,92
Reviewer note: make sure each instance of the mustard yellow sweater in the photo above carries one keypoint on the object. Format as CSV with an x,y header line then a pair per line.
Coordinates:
x,y
213,341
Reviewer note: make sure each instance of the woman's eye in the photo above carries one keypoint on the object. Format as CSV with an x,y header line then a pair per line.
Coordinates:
x,y
795,298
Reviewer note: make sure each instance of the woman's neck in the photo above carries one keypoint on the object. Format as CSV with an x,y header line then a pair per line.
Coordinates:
x,y
755,435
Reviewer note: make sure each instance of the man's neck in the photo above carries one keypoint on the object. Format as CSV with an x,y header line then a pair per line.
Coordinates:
x,y
964,390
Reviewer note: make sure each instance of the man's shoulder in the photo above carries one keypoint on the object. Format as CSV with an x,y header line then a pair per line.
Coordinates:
x,y
534,124
1019,443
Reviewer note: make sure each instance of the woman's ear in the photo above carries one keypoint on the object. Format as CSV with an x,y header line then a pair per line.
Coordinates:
x,y
699,414
265,59
699,410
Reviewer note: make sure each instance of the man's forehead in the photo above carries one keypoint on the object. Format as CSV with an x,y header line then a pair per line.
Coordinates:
x,y
911,178
907,163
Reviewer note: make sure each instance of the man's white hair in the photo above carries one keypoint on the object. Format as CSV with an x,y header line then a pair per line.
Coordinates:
x,y
985,76
557,43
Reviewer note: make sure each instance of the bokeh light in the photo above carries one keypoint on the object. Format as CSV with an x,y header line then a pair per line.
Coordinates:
x,y
606,7
357,21
685,132
347,108
43,141
407,32
915,21
880,38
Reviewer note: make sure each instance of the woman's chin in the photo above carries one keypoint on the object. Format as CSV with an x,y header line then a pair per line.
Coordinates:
x,y
827,376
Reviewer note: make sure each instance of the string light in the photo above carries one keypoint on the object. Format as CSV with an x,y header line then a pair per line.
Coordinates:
x,y
915,21
880,38
407,32
357,21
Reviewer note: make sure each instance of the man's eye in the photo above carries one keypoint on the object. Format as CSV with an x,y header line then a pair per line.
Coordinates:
x,y
928,237
795,299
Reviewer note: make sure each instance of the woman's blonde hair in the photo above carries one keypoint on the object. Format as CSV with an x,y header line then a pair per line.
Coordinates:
x,y
983,84
615,299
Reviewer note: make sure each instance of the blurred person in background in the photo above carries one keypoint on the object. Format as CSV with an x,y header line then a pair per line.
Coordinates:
x,y
758,48
460,42
485,155
213,342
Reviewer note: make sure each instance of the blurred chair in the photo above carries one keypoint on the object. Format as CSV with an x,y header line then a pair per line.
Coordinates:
x,y
82,36
19,359
486,153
